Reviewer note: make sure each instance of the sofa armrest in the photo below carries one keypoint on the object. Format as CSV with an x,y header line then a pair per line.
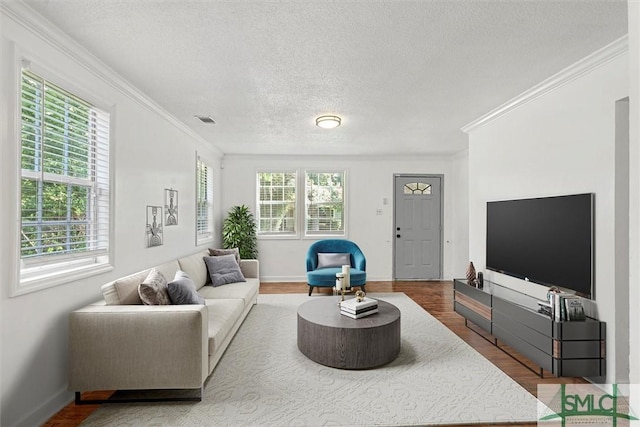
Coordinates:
x,y
132,347
359,261
250,268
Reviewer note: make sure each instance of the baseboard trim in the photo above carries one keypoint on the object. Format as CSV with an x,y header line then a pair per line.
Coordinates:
x,y
303,279
43,412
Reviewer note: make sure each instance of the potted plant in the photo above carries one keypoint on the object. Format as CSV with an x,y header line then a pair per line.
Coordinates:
x,y
239,231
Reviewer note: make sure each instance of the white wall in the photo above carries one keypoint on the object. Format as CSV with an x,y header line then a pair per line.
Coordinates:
x,y
621,236
460,214
151,152
369,181
634,202
560,143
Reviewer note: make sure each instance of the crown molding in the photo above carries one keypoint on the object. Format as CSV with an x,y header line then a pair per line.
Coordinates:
x,y
569,74
25,16
351,158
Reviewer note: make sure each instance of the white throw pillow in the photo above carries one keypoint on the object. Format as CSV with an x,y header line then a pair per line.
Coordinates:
x,y
326,260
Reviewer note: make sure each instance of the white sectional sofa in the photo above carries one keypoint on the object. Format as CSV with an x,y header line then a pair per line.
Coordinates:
x,y
120,344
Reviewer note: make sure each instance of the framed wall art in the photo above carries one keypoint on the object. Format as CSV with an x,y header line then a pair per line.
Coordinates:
x,y
170,207
154,226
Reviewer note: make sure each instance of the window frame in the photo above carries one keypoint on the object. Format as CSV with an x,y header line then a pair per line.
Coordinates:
x,y
301,205
337,234
281,234
37,273
207,235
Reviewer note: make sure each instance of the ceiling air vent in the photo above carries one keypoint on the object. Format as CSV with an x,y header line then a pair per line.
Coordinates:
x,y
206,119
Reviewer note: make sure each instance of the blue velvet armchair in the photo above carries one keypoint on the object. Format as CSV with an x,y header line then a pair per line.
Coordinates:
x,y
321,271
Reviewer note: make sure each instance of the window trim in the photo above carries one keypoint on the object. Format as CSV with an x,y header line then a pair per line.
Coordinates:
x,y
279,235
62,268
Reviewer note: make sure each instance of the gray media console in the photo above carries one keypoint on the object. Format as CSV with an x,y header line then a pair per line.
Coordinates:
x,y
564,348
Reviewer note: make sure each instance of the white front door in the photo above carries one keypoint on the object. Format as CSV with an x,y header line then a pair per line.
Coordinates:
x,y
418,227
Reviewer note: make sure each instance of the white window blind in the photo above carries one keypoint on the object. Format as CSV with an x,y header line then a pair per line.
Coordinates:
x,y
324,203
64,180
277,203
204,201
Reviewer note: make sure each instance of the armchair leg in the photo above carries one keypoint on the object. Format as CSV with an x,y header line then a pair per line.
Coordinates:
x,y
310,289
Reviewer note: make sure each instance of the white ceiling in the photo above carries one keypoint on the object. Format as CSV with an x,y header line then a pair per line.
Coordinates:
x,y
405,76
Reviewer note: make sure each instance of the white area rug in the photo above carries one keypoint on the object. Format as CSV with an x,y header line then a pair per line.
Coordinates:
x,y
264,380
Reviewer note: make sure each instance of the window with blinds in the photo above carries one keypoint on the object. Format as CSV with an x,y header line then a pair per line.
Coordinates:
x,y
277,207
64,180
324,203
204,201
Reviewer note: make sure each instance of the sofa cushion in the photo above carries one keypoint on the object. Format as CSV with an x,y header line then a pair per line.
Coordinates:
x,y
242,290
153,290
168,269
195,267
110,295
182,290
223,314
327,276
223,269
124,291
333,259
250,268
219,252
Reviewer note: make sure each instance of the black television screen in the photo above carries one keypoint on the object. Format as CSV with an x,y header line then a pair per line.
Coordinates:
x,y
545,240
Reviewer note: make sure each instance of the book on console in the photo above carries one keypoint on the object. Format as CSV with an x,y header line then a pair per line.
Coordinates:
x,y
561,303
545,311
557,313
574,308
359,315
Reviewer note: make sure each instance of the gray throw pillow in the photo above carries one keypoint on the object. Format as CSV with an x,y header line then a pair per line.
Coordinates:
x,y
220,252
182,290
223,270
326,260
153,290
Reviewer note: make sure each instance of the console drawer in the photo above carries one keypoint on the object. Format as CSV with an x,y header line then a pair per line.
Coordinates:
x,y
533,320
579,330
475,293
472,316
515,328
532,353
579,367
578,349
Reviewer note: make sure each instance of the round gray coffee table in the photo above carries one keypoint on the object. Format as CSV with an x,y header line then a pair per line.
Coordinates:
x,y
329,338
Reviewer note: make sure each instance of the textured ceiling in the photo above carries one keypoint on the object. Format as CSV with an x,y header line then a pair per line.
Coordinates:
x,y
405,76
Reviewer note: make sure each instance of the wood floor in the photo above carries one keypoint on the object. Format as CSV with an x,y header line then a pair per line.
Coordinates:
x,y
435,297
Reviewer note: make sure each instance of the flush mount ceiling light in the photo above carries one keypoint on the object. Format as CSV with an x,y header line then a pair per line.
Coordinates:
x,y
328,122
206,119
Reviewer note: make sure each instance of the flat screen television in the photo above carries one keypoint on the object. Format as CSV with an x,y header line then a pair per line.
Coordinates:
x,y
548,240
